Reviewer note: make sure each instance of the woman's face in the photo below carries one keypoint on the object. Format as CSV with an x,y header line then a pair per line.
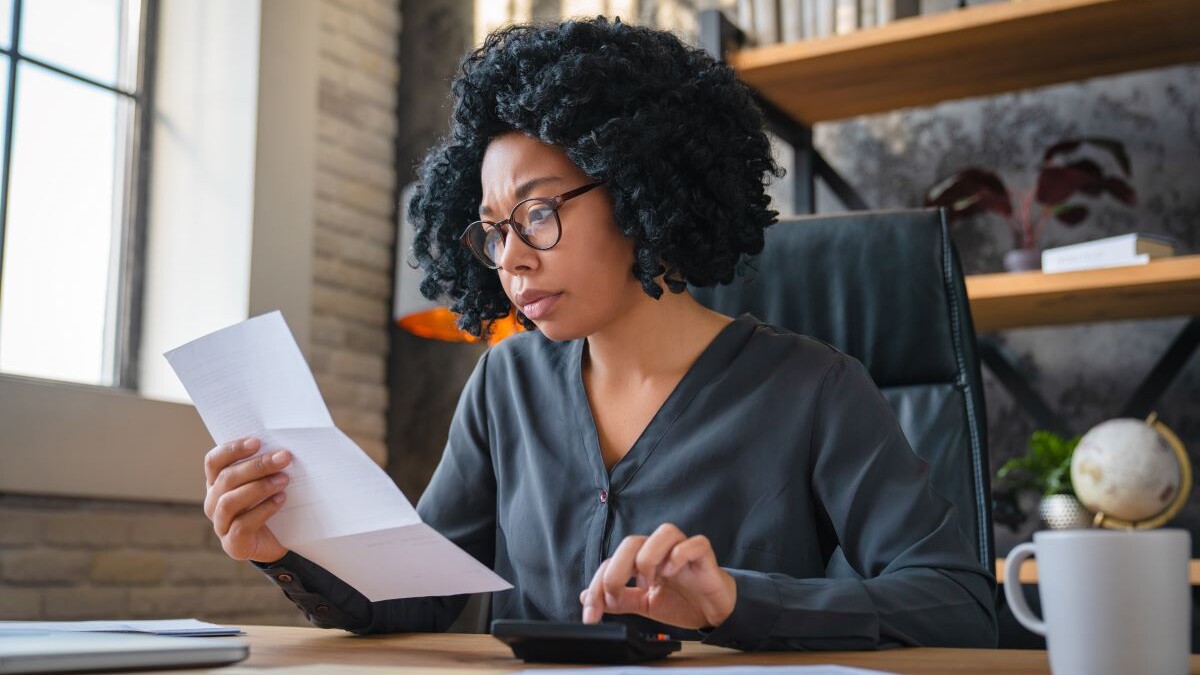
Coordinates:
x,y
587,278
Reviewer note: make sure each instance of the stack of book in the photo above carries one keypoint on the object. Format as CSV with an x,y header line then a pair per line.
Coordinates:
x,y
771,21
1126,249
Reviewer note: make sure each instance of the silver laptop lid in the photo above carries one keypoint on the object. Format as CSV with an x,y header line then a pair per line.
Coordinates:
x,y
44,651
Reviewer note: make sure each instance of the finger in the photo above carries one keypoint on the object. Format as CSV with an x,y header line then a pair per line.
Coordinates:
x,y
694,552
592,598
620,568
245,526
225,454
252,469
233,503
655,551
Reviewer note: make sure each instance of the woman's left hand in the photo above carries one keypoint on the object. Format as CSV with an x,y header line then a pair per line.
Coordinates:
x,y
678,581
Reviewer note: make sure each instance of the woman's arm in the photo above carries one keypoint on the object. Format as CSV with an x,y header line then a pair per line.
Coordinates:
x,y
921,583
460,503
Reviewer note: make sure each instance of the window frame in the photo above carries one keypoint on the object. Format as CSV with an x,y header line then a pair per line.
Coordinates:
x,y
122,350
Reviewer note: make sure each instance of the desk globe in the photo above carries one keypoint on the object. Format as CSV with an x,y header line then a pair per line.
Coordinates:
x,y
1132,474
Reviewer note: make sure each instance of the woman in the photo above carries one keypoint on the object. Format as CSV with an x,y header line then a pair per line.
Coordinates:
x,y
632,434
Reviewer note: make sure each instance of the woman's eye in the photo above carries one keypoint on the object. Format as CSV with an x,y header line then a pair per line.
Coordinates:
x,y
540,216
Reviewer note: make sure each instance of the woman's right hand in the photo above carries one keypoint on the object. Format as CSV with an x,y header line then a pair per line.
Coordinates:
x,y
242,495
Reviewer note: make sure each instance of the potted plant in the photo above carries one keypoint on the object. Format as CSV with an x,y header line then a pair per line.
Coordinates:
x,y
1065,173
1046,468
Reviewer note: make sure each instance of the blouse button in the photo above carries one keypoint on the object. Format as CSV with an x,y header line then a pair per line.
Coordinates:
x,y
284,577
603,496
321,609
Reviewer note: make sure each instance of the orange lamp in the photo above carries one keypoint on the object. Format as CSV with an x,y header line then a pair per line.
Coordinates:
x,y
420,316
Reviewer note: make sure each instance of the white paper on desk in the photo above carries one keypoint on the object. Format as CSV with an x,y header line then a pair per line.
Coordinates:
x,y
177,627
342,511
823,669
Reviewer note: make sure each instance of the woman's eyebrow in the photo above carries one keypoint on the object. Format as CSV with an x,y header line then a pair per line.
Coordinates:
x,y
522,191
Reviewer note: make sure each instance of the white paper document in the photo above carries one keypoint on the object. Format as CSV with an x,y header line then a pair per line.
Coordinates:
x,y
177,627
821,669
342,511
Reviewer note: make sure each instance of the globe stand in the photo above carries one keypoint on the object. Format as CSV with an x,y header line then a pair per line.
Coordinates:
x,y
1181,496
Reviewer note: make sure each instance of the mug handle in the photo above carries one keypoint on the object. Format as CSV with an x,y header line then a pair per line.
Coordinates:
x,y
1012,588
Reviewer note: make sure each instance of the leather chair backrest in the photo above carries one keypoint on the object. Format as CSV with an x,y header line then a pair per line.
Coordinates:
x,y
886,287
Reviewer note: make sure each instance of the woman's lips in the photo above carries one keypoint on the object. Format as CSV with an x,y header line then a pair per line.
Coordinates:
x,y
540,307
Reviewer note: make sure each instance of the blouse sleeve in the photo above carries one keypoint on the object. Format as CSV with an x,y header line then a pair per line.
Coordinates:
x,y
920,582
460,503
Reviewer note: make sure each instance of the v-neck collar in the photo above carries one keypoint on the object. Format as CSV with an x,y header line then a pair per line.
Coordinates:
x,y
714,359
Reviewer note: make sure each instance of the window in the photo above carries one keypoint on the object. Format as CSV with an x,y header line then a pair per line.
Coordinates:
x,y
74,77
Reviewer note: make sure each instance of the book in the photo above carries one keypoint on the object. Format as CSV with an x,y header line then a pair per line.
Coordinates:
x,y
824,18
791,20
846,17
1126,249
766,21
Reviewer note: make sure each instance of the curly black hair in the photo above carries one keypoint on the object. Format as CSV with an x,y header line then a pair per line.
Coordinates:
x,y
679,139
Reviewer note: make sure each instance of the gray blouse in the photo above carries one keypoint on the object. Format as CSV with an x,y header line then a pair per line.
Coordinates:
x,y
776,446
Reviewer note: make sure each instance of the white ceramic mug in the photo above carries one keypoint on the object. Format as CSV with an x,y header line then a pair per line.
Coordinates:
x,y
1115,602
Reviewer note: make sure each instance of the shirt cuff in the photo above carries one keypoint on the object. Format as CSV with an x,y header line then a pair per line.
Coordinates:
x,y
754,613
287,573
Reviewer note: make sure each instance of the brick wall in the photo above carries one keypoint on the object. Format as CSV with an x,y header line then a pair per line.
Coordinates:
x,y
63,558
355,219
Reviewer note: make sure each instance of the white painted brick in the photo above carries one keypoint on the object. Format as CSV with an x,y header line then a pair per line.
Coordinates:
x,y
327,330
367,339
20,604
336,391
201,567
128,567
238,599
85,603
165,602
19,527
359,367
44,565
169,531
353,420
82,528
371,397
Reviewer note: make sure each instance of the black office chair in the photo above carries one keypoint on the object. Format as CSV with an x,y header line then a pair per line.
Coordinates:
x,y
886,287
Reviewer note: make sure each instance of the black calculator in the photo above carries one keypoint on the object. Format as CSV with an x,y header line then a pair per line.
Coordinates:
x,y
576,642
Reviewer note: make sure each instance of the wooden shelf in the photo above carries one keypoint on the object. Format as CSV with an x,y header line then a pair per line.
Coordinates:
x,y
975,51
1029,571
1161,288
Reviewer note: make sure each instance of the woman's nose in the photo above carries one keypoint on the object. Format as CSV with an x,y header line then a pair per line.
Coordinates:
x,y
515,255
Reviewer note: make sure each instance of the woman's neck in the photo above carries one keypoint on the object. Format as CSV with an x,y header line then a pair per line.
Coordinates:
x,y
654,339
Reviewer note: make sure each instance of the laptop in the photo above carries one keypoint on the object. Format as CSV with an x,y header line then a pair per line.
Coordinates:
x,y
47,651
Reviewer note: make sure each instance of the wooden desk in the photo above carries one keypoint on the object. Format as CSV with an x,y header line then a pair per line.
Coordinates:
x,y
1029,571
1165,287
275,647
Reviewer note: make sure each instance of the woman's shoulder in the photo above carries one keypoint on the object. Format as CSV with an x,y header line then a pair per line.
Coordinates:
x,y
788,348
529,351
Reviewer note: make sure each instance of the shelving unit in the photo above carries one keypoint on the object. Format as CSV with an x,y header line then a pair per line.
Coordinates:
x,y
974,51
1165,287
980,51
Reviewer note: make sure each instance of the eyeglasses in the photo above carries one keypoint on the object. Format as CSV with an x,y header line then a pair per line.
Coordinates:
x,y
534,220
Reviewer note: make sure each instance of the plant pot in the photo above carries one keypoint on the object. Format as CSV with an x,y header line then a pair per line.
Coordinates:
x,y
1023,260
1064,512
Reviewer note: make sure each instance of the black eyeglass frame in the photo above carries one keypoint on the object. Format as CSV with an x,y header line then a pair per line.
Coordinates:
x,y
504,225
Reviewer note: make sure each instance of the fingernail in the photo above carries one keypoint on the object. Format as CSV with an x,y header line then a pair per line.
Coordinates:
x,y
668,569
279,478
279,497
279,457
250,444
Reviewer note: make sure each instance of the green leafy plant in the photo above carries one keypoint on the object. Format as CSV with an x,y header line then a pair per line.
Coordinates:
x,y
1045,467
